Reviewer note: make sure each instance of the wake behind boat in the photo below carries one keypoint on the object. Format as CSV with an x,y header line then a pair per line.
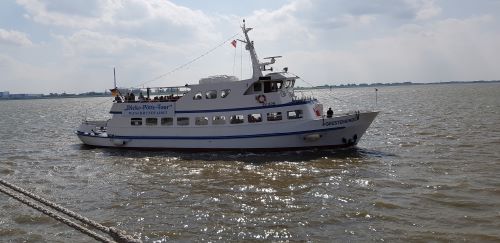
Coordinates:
x,y
224,113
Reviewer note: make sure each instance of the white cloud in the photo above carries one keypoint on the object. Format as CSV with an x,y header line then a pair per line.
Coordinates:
x,y
14,37
125,16
20,76
449,49
90,43
425,9
324,40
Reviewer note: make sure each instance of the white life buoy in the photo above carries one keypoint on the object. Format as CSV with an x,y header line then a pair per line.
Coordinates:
x,y
261,99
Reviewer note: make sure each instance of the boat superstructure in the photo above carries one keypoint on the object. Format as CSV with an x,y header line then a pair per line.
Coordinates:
x,y
224,113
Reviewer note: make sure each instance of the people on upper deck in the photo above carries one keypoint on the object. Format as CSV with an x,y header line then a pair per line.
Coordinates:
x,y
329,113
141,97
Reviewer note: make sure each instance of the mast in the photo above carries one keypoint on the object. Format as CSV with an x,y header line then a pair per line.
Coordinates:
x,y
256,69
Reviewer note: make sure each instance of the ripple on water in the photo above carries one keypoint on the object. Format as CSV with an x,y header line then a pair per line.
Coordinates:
x,y
427,170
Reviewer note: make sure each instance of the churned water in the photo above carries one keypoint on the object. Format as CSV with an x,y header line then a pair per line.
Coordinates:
x,y
426,170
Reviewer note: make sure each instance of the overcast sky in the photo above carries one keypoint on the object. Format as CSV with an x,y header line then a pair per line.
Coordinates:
x,y
72,46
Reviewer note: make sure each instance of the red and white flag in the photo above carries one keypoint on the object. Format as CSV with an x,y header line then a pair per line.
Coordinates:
x,y
234,43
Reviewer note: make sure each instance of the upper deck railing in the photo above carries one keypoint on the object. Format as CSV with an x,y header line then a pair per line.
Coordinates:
x,y
152,94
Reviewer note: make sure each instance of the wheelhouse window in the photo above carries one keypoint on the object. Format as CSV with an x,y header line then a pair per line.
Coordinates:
x,y
151,121
296,114
273,86
289,84
167,121
253,118
197,96
182,121
219,120
236,119
136,121
224,93
274,116
200,121
257,87
211,94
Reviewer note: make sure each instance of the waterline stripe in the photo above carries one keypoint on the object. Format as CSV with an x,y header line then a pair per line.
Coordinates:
x,y
215,137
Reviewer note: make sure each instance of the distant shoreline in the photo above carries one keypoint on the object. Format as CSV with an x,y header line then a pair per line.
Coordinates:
x,y
362,85
395,84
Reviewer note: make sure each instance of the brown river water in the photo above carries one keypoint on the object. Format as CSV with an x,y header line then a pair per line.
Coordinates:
x,y
428,169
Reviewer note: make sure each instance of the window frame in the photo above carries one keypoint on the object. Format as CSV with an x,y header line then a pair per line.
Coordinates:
x,y
211,94
136,121
278,117
164,121
220,121
201,121
179,121
224,93
150,123
252,119
237,119
299,114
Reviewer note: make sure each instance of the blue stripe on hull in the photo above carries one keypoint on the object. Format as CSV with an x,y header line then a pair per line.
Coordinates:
x,y
215,137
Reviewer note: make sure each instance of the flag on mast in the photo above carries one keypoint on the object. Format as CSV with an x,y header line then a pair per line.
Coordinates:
x,y
234,43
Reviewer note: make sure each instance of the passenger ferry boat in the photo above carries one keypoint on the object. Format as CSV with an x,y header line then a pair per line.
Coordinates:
x,y
224,113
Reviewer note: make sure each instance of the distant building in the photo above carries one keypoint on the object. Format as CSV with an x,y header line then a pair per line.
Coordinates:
x,y
25,96
4,95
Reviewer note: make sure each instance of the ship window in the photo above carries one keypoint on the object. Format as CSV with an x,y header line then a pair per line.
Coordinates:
x,y
296,114
167,121
272,86
197,96
236,119
136,121
182,121
219,120
224,93
257,87
211,94
274,116
201,121
253,118
279,84
151,121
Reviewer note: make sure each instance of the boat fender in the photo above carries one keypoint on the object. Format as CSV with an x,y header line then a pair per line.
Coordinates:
x,y
312,137
355,138
344,140
261,99
118,142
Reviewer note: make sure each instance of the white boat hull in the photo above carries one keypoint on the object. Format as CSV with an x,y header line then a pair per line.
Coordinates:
x,y
334,132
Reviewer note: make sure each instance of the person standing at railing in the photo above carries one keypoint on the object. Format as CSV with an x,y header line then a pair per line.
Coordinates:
x,y
329,113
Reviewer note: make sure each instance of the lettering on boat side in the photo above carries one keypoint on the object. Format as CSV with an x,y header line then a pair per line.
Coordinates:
x,y
148,109
340,122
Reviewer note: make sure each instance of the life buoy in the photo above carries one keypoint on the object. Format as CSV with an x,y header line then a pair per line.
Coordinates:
x,y
261,99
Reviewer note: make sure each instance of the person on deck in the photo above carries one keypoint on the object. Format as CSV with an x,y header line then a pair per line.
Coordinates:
x,y
329,113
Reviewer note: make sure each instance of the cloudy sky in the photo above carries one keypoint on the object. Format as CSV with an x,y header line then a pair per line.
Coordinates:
x,y
72,46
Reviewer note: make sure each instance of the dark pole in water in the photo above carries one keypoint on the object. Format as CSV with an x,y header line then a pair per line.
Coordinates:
x,y
376,96
114,76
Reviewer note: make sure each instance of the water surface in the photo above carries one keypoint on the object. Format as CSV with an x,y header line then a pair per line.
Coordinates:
x,y
427,170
